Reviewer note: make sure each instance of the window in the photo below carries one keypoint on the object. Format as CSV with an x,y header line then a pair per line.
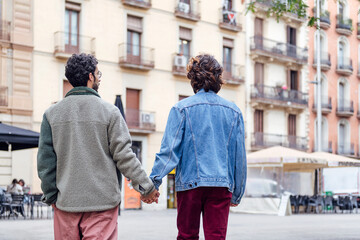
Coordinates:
x,y
259,74
185,38
181,97
72,13
291,41
132,107
341,54
259,127
228,45
227,4
292,130
66,87
294,84
134,30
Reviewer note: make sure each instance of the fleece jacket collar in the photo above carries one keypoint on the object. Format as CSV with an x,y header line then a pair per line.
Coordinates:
x,y
82,91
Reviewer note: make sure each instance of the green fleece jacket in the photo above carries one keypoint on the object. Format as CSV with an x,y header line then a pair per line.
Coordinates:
x,y
82,141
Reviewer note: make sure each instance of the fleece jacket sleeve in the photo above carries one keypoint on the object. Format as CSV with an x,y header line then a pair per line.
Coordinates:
x,y
124,157
46,163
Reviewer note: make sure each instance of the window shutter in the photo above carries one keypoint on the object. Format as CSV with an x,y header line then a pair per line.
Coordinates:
x,y
73,6
185,33
134,23
228,43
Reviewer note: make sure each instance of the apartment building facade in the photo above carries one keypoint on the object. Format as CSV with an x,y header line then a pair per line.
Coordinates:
x,y
142,47
276,80
16,83
340,86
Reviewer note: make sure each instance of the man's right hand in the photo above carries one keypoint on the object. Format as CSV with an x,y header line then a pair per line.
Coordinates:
x,y
152,197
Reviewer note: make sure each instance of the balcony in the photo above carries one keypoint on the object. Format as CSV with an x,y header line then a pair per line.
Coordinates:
x,y
67,44
229,20
144,4
346,149
325,61
264,140
358,30
325,147
344,66
139,121
326,105
278,96
271,50
324,18
179,65
5,29
343,25
188,11
233,74
290,17
4,99
136,57
345,108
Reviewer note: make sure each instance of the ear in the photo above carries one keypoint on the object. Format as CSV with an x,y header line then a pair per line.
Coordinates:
x,y
91,77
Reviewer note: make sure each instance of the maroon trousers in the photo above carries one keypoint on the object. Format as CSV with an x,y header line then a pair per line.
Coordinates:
x,y
213,203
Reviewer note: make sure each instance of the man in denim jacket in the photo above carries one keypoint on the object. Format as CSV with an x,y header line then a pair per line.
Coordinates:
x,y
204,141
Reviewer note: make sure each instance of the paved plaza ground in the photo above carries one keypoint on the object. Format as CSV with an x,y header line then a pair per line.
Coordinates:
x,y
161,225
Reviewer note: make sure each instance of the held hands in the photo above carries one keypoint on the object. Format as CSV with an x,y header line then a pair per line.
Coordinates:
x,y
150,198
233,205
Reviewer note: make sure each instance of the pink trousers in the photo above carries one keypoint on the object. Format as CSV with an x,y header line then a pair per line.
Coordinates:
x,y
85,225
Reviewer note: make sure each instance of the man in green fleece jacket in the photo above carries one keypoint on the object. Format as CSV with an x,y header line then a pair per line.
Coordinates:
x,y
83,141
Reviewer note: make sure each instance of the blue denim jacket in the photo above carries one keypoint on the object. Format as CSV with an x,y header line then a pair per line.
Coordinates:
x,y
204,140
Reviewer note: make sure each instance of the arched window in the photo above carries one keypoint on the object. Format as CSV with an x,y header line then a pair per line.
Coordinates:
x,y
343,52
323,45
324,89
343,94
343,137
324,135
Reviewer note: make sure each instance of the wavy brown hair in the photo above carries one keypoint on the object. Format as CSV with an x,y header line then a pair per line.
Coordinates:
x,y
205,72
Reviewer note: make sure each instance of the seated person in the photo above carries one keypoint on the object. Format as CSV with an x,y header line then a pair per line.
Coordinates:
x,y
14,188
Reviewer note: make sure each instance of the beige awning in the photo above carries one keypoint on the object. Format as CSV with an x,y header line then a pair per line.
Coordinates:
x,y
289,159
334,160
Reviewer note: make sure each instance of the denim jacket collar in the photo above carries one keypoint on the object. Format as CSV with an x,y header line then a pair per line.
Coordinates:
x,y
202,91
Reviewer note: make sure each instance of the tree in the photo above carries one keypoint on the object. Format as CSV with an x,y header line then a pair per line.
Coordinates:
x,y
277,8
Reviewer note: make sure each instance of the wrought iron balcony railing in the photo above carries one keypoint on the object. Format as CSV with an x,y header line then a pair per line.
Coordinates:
x,y
325,104
188,11
233,73
264,140
344,65
4,102
343,23
138,120
278,94
325,59
229,20
5,29
67,44
324,15
325,147
279,49
345,148
180,62
135,56
345,106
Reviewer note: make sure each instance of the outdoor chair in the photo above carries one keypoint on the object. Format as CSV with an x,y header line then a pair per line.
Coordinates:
x,y
293,203
316,202
328,204
36,201
5,207
302,201
17,204
344,203
354,202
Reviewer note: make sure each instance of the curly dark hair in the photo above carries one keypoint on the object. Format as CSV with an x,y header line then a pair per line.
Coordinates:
x,y
205,72
78,67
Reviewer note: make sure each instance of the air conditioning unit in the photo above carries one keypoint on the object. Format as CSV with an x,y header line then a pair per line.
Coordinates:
x,y
180,61
184,7
147,118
